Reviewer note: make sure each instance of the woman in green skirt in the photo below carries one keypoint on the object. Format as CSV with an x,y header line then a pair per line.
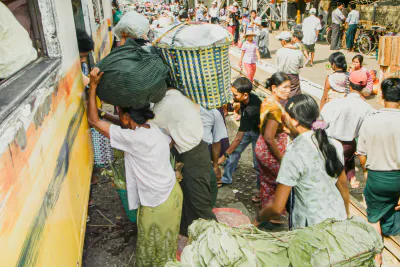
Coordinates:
x,y
150,178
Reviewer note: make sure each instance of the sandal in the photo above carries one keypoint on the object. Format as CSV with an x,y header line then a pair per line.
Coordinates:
x,y
256,199
221,184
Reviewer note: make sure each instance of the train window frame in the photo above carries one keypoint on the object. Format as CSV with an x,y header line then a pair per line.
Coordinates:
x,y
36,19
18,86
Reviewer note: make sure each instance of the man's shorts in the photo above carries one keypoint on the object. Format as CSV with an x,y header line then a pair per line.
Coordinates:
x,y
310,48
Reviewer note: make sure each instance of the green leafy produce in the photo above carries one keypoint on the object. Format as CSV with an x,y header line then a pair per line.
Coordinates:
x,y
351,242
117,173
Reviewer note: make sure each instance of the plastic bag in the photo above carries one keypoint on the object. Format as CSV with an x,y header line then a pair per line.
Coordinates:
x,y
133,24
133,76
16,49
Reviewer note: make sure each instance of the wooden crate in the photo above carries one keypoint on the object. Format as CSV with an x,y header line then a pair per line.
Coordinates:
x,y
389,60
389,51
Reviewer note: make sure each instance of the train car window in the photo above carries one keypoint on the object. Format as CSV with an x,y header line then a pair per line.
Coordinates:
x,y
25,60
22,31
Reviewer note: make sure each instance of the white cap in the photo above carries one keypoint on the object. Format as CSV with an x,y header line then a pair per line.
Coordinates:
x,y
287,36
214,3
313,11
235,4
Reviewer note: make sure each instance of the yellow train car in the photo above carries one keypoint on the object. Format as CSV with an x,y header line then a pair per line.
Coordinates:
x,y
46,154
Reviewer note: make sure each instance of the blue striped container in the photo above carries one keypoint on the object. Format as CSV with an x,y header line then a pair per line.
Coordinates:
x,y
201,73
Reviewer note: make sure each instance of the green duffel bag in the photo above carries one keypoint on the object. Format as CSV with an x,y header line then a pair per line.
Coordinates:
x,y
133,76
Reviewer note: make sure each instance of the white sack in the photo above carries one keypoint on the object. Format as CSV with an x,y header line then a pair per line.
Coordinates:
x,y
16,49
194,35
133,24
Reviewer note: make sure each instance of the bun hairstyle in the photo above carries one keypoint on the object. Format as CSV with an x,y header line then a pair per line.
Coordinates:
x,y
339,60
140,116
304,109
276,79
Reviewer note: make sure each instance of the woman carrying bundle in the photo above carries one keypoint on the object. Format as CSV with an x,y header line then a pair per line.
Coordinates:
x,y
337,83
151,181
271,145
313,167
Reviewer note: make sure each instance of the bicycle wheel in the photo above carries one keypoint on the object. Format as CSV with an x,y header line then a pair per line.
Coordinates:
x,y
364,44
328,35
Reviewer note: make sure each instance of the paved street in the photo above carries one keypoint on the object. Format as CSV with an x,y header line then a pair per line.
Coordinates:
x,y
313,77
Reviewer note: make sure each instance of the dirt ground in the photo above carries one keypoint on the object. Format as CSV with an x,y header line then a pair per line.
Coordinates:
x,y
110,236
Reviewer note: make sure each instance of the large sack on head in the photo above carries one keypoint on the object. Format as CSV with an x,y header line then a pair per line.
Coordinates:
x,y
133,25
133,76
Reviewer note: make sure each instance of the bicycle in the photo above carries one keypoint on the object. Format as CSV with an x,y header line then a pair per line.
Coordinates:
x,y
362,40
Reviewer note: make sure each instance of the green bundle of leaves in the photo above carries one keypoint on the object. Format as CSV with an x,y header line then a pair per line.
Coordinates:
x,y
117,173
351,242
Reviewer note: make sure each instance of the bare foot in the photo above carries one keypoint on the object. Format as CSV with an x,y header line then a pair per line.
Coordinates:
x,y
354,183
378,259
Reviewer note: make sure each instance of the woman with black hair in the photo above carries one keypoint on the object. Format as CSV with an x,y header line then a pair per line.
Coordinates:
x,y
150,179
337,83
313,167
271,145
357,66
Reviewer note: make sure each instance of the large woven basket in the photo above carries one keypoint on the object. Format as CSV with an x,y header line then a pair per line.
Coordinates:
x,y
201,73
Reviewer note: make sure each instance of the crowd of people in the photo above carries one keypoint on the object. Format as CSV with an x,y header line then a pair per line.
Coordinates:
x,y
303,153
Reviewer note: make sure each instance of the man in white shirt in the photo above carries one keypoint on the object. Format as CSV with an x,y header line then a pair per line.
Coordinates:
x,y
311,27
344,117
214,13
352,19
379,152
255,22
214,132
337,21
180,118
254,25
199,13
289,61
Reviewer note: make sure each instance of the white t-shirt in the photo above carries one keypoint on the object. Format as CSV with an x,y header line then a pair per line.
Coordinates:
x,y
213,124
289,60
345,116
256,28
214,12
310,25
180,118
316,197
149,174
